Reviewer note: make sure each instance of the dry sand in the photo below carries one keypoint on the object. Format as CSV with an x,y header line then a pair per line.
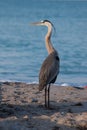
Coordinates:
x,y
22,108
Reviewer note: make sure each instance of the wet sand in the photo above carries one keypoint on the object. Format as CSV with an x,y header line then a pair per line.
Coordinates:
x,y
22,108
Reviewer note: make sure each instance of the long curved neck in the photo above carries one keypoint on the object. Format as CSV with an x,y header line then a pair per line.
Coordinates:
x,y
49,45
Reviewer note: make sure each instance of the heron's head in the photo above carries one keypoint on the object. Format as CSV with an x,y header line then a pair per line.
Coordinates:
x,y
43,23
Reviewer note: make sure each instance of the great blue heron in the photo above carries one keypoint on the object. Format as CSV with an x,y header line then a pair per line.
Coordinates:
x,y
50,67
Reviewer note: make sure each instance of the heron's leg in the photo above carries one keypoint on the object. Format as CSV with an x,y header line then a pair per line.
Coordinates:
x,y
45,96
49,96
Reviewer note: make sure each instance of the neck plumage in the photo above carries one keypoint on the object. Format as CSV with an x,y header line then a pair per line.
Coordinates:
x,y
49,46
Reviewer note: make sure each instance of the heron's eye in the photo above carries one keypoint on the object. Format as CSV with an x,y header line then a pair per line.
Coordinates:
x,y
42,21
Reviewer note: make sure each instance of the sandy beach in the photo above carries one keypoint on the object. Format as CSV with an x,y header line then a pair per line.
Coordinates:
x,y
22,108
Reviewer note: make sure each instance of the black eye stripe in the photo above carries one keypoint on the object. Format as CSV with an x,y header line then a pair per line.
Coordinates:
x,y
46,21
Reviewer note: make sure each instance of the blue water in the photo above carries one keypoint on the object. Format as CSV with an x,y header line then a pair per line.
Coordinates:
x,y
22,47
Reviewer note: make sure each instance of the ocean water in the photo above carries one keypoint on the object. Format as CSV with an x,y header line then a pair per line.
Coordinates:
x,y
22,46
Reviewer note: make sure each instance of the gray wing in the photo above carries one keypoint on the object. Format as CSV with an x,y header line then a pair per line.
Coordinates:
x,y
49,70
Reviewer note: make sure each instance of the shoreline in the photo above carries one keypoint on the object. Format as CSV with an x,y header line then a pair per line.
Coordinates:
x,y
22,107
81,85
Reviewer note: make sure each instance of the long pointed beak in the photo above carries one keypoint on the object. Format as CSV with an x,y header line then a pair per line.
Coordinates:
x,y
36,23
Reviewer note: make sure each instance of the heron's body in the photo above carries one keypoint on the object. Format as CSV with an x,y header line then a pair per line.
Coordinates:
x,y
49,70
50,67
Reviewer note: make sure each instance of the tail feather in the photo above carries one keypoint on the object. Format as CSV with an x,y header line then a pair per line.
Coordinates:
x,y
41,87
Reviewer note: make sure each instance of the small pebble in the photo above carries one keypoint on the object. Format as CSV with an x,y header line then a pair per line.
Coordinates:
x,y
62,113
25,117
34,100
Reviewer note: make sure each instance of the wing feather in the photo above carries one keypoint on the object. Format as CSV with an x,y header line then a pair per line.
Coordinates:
x,y
49,70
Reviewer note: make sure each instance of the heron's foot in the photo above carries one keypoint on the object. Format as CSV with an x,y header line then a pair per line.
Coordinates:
x,y
49,107
46,106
